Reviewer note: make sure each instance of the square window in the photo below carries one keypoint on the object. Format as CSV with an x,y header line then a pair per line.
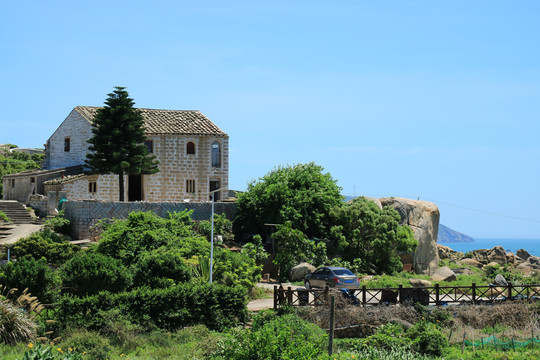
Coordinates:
x,y
149,145
67,144
190,186
92,187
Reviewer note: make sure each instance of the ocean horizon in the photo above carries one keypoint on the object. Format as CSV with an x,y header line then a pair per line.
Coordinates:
x,y
531,245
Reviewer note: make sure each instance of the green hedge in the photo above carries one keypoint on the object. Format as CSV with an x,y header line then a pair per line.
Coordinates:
x,y
216,306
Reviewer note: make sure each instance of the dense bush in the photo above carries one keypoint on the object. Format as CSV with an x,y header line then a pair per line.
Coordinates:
x,y
283,337
143,232
47,244
301,194
160,269
59,224
216,306
363,231
4,217
91,273
427,339
232,268
222,226
31,274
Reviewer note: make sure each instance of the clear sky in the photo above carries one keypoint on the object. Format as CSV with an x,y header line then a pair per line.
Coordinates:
x,y
431,99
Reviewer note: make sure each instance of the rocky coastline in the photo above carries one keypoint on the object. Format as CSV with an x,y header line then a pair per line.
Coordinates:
x,y
522,262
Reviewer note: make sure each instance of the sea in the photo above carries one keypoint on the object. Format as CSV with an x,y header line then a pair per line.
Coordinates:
x,y
531,245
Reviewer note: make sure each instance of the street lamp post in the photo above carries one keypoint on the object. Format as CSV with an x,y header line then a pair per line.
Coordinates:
x,y
212,239
212,196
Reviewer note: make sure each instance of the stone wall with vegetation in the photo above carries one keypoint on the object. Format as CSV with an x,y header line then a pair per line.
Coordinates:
x,y
85,214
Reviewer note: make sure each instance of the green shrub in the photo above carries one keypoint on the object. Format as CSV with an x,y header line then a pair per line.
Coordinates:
x,y
232,268
90,273
59,224
427,339
388,336
160,269
4,217
46,244
31,274
222,226
216,306
284,337
94,345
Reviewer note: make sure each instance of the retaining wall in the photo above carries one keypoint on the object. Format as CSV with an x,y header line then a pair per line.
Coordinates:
x,y
85,214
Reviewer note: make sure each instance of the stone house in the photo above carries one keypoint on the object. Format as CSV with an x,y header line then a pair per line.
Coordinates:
x,y
193,154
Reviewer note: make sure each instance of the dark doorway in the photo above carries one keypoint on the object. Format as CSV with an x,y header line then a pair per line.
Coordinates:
x,y
214,185
135,188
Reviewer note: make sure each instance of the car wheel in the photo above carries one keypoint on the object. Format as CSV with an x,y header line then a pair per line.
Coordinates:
x,y
307,285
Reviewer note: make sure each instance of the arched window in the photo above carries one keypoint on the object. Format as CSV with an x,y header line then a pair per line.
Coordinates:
x,y
190,148
216,154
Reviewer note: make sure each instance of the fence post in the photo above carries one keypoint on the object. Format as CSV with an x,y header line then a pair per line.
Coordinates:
x,y
463,343
400,294
275,297
281,295
289,296
474,293
364,291
326,291
437,300
510,291
331,337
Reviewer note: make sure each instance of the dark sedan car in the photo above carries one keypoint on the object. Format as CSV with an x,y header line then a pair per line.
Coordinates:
x,y
332,276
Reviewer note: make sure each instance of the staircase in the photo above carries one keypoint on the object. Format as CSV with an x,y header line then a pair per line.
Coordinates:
x,y
16,212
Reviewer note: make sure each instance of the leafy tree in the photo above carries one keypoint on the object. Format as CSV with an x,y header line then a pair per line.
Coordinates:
x,y
293,247
118,142
363,232
301,194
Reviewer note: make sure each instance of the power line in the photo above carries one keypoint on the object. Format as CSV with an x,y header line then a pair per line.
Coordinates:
x,y
469,209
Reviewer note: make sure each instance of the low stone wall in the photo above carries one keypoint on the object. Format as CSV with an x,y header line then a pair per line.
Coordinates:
x,y
85,214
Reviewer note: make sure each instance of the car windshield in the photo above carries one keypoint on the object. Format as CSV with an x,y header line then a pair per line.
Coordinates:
x,y
341,272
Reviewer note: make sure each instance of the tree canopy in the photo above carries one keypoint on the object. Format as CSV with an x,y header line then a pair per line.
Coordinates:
x,y
117,145
370,237
301,194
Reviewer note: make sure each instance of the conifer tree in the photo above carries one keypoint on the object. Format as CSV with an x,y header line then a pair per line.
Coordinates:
x,y
117,145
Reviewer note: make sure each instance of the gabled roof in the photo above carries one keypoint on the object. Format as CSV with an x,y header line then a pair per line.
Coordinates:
x,y
159,122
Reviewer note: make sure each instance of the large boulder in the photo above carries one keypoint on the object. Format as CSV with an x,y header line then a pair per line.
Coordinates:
x,y
423,219
298,272
444,274
419,283
471,262
527,267
496,254
523,254
500,280
446,253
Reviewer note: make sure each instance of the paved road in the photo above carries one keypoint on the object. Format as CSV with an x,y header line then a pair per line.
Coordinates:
x,y
19,232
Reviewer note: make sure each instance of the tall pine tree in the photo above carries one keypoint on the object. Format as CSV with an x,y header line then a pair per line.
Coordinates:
x,y
117,145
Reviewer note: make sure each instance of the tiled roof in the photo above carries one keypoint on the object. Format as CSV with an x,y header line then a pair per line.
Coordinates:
x,y
64,180
178,122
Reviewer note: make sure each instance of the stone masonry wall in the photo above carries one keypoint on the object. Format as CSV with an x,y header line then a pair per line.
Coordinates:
x,y
85,214
79,130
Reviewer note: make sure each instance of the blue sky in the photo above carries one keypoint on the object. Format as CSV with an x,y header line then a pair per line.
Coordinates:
x,y
430,99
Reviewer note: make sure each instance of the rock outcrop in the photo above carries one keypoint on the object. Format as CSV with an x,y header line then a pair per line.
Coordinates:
x,y
523,254
423,219
444,274
446,253
471,262
527,267
298,272
486,256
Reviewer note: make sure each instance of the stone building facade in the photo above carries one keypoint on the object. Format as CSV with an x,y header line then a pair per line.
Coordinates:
x,y
193,154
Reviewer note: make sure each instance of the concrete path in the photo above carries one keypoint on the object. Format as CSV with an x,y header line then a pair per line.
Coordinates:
x,y
20,231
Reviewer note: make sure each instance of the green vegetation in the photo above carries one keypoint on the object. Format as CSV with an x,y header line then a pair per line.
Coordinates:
x,y
117,145
4,217
301,194
17,161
